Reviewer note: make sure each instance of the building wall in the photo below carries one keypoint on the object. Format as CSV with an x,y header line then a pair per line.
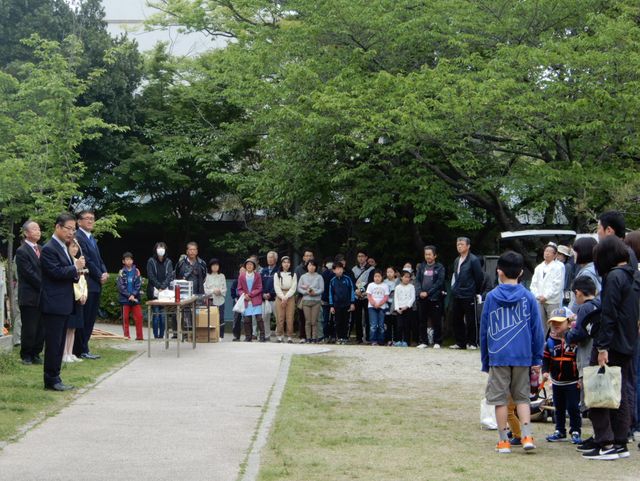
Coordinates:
x,y
129,16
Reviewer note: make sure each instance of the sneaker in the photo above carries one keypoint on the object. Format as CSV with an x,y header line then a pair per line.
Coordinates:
x,y
516,442
575,438
602,454
75,358
404,344
421,346
503,447
279,338
289,340
556,437
374,343
436,346
622,450
472,347
454,346
587,445
302,341
527,443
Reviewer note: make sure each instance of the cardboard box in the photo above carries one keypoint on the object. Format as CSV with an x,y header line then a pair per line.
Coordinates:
x,y
203,336
214,317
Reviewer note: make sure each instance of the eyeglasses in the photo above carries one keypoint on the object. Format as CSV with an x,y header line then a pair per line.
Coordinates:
x,y
91,219
70,229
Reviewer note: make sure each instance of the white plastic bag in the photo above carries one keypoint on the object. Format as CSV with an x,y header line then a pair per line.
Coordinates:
x,y
266,309
602,386
239,305
487,415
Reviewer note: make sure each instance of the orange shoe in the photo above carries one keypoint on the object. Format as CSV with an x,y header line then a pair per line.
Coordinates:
x,y
503,447
527,443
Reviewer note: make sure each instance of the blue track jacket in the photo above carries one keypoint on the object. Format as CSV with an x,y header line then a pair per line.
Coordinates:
x,y
510,328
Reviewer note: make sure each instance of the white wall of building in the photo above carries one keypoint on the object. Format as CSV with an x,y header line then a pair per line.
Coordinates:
x,y
129,16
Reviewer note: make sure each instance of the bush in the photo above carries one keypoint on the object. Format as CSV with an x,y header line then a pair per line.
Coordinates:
x,y
109,305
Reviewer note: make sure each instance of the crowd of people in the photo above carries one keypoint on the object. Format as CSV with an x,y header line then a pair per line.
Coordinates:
x,y
581,308
527,335
59,294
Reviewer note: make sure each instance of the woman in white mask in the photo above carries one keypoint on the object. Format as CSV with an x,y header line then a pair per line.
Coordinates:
x,y
160,274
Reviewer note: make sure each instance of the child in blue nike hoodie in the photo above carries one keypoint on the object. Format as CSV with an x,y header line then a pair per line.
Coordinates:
x,y
511,343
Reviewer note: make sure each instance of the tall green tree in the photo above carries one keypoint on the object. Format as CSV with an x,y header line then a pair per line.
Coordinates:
x,y
42,127
480,115
178,174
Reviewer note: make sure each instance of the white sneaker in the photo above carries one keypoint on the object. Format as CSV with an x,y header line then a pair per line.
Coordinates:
x,y
421,346
436,346
454,346
75,358
279,338
471,347
67,359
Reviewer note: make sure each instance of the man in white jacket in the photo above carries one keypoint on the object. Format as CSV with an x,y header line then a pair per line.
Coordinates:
x,y
547,283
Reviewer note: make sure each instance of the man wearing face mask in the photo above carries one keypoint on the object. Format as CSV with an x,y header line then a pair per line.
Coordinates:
x,y
160,274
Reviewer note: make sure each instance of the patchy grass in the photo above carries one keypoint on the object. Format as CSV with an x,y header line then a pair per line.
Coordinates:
x,y
23,399
334,425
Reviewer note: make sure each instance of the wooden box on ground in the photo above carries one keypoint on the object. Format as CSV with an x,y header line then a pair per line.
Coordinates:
x,y
204,333
203,336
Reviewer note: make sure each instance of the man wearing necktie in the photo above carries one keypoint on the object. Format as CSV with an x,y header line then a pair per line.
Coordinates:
x,y
95,279
29,287
59,272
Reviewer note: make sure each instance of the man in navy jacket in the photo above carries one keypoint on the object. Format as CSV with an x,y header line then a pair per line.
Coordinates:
x,y
59,272
95,279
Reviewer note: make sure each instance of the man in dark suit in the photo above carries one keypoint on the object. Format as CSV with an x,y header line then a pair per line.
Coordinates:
x,y
29,287
59,272
96,278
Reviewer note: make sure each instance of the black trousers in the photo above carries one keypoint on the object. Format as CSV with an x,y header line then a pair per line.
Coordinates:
x,y
55,335
237,325
361,320
389,327
430,312
465,324
32,332
611,426
403,326
81,341
342,322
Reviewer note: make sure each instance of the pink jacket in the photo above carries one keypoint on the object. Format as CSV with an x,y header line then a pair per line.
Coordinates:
x,y
256,292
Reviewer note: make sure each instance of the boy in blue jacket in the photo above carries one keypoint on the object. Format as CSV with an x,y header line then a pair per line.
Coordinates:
x,y
341,300
511,343
129,285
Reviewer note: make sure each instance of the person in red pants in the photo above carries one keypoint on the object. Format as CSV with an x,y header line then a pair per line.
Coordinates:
x,y
129,286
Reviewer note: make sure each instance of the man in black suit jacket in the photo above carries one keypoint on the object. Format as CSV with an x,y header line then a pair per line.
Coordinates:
x,y
29,287
59,272
96,278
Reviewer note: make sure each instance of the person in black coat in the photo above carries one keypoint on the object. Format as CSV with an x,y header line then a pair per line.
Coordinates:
x,y
59,272
429,284
614,344
29,287
96,277
466,283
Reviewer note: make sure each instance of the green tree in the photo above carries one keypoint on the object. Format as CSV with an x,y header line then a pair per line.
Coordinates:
x,y
480,115
178,174
42,128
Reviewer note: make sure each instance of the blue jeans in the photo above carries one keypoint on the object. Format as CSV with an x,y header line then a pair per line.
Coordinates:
x,y
376,325
158,321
